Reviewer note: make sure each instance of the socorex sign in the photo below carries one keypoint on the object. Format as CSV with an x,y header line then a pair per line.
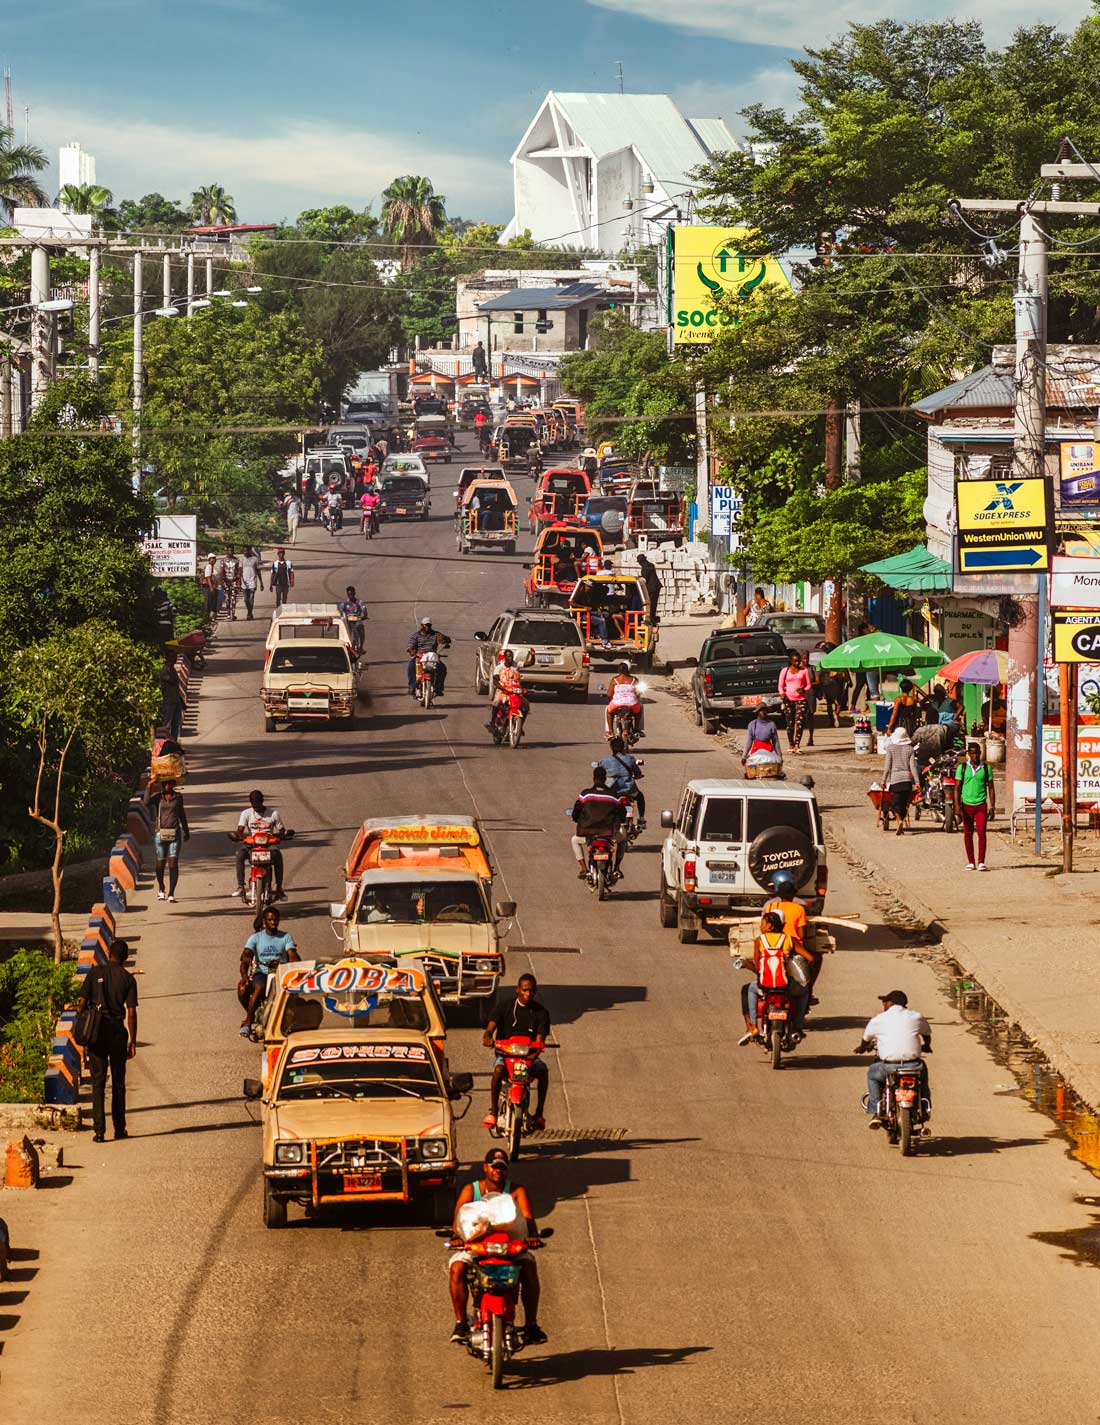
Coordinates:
x,y
711,277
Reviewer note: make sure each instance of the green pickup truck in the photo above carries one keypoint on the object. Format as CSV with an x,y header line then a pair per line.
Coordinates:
x,y
737,670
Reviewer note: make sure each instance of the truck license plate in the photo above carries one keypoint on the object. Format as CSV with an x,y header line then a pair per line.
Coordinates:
x,y
363,1182
401,511
544,658
723,878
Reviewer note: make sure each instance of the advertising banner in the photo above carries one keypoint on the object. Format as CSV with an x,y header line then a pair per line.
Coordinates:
x,y
1080,472
708,267
1074,582
1076,636
1088,764
172,546
725,509
1004,526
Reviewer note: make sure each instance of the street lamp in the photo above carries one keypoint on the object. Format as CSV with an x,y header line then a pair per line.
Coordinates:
x,y
56,304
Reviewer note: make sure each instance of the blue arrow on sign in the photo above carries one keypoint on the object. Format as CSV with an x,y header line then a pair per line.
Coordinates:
x,y
998,558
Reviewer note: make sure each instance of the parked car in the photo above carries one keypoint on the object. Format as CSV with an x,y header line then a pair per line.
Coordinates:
x,y
801,632
561,663
737,670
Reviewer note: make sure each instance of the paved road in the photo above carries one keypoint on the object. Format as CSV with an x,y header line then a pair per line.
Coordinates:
x,y
729,1243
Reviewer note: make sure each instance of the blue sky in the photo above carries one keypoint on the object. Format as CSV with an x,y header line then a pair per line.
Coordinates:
x,y
298,103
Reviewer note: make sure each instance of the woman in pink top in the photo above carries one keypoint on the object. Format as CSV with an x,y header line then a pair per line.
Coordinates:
x,y
794,687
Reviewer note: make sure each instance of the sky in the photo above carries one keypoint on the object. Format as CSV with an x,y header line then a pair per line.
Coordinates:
x,y
291,104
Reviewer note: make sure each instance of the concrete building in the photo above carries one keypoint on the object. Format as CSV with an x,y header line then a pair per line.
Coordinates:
x,y
553,318
608,172
619,284
74,166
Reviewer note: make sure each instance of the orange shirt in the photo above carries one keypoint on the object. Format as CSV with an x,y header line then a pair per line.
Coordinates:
x,y
794,920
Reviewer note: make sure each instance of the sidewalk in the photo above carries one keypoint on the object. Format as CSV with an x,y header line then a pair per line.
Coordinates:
x,y
1025,931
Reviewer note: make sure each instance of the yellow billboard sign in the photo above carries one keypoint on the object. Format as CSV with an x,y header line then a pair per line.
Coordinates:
x,y
711,277
1004,526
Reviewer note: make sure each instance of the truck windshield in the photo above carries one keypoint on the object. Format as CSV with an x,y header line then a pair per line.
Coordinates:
x,y
350,1009
359,1071
422,902
403,485
762,646
310,660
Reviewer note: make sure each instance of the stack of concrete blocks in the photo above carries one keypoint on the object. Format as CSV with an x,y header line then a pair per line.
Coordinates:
x,y
687,577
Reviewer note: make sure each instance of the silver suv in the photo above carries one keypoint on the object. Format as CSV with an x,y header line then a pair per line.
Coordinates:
x,y
561,662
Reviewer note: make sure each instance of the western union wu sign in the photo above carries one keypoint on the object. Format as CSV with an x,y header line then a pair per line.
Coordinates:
x,y
1004,526
711,278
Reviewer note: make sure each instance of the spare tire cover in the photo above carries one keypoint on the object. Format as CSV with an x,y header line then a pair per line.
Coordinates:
x,y
611,521
781,848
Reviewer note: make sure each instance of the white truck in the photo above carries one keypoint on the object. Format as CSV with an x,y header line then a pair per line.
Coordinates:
x,y
373,396
726,840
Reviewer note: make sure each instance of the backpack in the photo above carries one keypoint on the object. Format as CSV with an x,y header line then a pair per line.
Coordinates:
x,y
772,969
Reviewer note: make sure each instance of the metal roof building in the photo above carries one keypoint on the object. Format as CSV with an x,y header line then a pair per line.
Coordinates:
x,y
607,171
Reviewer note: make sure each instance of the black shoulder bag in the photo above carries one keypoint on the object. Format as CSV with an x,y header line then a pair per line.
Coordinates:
x,y
89,1020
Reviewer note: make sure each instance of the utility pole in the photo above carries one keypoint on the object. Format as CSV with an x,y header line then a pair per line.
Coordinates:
x,y
41,326
209,276
5,396
139,374
167,279
93,313
832,609
853,444
1027,640
190,281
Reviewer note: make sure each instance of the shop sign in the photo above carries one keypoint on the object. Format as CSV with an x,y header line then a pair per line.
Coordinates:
x,y
1004,526
172,546
711,278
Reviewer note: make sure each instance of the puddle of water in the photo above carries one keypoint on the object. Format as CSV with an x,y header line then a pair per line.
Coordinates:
x,y
1036,1081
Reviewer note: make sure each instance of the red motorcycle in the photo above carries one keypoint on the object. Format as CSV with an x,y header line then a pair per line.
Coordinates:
x,y
513,1107
495,1276
773,1023
259,885
508,720
601,865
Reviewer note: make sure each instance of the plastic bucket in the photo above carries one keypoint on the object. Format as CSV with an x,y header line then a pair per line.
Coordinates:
x,y
863,744
994,748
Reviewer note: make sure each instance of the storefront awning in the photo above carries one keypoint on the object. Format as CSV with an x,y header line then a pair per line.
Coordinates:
x,y
916,571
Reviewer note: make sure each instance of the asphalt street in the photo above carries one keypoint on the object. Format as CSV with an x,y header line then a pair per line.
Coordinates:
x,y
729,1243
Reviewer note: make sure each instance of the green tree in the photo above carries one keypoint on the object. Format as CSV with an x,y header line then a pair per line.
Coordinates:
x,y
212,206
413,214
19,188
88,688
336,224
33,992
152,213
85,198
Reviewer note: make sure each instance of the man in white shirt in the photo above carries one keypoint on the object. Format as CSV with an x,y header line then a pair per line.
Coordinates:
x,y
899,1035
257,816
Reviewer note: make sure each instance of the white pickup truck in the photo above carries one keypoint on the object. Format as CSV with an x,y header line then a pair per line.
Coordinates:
x,y
726,840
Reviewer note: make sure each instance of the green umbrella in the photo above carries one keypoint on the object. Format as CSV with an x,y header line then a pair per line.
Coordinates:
x,y
883,650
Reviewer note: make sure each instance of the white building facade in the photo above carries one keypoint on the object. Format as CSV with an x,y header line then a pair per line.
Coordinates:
x,y
74,166
608,172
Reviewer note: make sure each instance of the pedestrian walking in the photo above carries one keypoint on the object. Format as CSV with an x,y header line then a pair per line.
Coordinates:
x,y
899,776
312,499
231,581
794,686
293,517
975,802
169,815
281,576
252,577
865,677
834,684
171,698
208,581
760,606
114,990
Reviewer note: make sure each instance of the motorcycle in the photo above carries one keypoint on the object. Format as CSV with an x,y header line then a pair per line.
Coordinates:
x,y
774,1014
370,523
633,821
903,1110
508,720
514,1118
259,885
937,796
426,666
600,860
494,1276
334,519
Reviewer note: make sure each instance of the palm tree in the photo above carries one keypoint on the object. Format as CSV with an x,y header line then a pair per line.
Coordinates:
x,y
212,205
18,164
85,198
413,215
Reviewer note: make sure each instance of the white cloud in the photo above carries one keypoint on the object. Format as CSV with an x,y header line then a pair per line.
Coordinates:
x,y
275,173
792,24
775,86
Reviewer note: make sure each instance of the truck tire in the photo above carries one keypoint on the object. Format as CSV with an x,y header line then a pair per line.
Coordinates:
x,y
269,724
481,685
709,724
782,848
687,937
666,907
274,1208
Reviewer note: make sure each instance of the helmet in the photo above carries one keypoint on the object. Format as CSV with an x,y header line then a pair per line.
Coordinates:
x,y
783,884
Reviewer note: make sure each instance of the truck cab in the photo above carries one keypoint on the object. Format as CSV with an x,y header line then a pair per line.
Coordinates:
x,y
726,840
309,680
736,672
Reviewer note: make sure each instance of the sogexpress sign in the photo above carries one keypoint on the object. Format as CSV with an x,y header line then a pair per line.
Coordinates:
x,y
712,277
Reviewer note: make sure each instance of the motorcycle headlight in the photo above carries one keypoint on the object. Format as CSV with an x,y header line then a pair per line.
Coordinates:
x,y
434,1148
289,1152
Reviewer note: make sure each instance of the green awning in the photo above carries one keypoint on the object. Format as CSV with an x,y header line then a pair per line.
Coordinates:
x,y
916,571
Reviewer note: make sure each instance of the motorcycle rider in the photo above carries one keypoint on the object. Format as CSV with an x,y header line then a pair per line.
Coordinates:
x,y
622,692
494,1180
898,1035
794,924
355,611
598,812
259,817
264,951
368,502
773,942
518,1012
427,640
624,772
506,681
333,516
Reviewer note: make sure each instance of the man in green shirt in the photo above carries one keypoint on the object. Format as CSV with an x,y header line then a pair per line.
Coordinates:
x,y
975,802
